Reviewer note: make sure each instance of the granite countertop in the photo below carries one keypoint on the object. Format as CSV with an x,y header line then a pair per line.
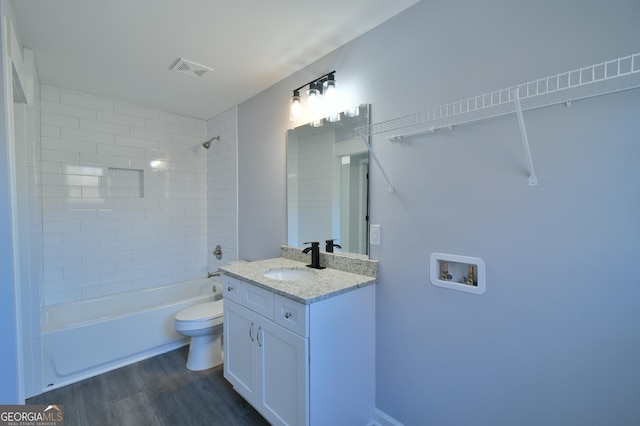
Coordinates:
x,y
328,283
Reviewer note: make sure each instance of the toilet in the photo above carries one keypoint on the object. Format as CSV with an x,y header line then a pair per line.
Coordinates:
x,y
203,323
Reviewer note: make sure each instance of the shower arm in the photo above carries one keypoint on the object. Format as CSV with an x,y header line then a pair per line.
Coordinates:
x,y
207,143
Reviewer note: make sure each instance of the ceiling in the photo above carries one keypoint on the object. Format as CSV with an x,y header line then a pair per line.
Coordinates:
x,y
124,49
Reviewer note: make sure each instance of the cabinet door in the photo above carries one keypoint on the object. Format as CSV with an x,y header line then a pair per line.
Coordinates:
x,y
240,357
284,376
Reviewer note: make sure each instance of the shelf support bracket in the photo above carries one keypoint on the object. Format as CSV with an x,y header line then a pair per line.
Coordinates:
x,y
365,140
533,179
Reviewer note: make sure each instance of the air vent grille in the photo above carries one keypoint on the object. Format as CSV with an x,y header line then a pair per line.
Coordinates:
x,y
191,68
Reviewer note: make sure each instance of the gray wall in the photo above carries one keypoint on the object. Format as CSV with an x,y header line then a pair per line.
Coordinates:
x,y
554,339
262,192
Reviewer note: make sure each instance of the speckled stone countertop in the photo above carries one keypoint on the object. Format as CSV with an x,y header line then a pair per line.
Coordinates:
x,y
329,282
348,262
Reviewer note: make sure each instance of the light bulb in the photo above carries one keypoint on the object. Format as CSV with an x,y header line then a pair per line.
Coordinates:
x,y
296,107
315,104
331,99
353,112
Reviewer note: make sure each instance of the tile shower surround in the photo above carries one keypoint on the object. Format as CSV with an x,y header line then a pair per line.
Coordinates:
x,y
124,197
222,200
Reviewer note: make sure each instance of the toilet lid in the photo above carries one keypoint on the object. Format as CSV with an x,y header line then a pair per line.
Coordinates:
x,y
201,312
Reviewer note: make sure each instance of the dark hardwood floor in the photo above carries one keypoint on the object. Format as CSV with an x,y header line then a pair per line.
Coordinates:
x,y
157,391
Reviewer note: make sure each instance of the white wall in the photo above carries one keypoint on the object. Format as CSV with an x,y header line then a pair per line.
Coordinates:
x,y
29,225
10,382
554,339
124,197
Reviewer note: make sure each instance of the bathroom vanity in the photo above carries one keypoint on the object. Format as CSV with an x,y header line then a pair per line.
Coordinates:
x,y
299,343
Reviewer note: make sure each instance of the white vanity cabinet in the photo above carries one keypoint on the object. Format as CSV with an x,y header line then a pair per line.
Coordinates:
x,y
301,364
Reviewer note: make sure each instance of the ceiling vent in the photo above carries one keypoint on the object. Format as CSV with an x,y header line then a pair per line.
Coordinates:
x,y
184,66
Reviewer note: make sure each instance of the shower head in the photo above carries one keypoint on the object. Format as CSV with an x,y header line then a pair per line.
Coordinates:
x,y
207,144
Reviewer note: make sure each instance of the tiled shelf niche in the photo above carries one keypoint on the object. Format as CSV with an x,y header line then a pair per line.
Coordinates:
x,y
125,183
462,273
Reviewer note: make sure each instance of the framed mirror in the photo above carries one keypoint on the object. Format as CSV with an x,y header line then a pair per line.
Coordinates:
x,y
328,183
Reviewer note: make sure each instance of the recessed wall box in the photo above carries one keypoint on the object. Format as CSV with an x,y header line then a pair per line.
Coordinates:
x,y
463,273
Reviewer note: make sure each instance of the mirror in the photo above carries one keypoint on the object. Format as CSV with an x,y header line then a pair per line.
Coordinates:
x,y
328,184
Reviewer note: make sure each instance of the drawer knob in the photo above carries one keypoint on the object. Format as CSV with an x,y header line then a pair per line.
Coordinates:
x,y
287,314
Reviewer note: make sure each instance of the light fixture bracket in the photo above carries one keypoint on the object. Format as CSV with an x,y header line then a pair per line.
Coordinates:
x,y
319,82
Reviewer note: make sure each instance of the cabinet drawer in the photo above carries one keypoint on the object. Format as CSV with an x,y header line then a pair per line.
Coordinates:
x,y
231,288
258,300
291,315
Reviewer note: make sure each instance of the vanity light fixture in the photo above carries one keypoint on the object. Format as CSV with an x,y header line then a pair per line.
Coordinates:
x,y
296,106
320,97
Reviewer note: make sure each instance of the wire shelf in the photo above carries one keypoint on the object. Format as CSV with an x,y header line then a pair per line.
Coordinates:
x,y
595,80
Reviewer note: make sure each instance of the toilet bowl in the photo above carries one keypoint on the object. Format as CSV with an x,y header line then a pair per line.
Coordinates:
x,y
203,323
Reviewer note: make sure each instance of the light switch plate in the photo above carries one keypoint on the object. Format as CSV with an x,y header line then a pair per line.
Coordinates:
x,y
374,234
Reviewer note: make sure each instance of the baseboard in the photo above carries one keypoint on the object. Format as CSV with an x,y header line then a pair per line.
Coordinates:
x,y
380,418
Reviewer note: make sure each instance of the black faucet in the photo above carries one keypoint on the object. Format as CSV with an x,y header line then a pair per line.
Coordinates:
x,y
331,245
315,255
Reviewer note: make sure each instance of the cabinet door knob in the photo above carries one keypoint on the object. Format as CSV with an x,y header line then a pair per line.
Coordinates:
x,y
230,288
258,336
287,314
250,329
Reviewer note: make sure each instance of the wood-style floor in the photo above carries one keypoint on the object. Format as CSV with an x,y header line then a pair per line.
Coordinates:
x,y
156,392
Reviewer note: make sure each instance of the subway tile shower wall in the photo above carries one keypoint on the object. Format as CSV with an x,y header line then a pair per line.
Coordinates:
x,y
222,188
124,197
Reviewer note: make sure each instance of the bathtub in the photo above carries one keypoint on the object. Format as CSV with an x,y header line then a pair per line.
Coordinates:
x,y
84,339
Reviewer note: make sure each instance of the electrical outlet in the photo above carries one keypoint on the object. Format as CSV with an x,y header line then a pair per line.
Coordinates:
x,y
374,234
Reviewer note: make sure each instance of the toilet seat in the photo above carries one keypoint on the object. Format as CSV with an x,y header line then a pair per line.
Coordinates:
x,y
201,312
199,317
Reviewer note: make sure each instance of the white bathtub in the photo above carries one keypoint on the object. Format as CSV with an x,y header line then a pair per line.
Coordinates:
x,y
84,339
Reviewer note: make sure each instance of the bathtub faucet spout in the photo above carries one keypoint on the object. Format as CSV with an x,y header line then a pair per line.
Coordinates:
x,y
213,274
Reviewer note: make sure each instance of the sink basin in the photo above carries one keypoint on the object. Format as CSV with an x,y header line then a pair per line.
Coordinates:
x,y
290,274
